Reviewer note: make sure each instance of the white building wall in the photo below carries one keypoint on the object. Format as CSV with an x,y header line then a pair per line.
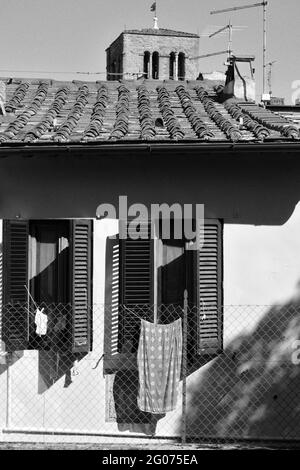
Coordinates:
x,y
261,267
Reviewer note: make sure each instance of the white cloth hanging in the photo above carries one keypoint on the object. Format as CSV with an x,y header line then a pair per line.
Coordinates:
x,y
41,321
159,364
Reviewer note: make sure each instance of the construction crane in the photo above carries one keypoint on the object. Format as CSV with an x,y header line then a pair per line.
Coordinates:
x,y
270,65
254,5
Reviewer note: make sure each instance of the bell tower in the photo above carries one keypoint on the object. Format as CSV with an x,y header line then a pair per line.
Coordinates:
x,y
153,53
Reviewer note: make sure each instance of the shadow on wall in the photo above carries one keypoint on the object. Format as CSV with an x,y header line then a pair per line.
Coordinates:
x,y
55,356
128,416
53,365
253,389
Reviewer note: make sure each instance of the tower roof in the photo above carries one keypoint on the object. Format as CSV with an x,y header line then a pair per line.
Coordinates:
x,y
160,32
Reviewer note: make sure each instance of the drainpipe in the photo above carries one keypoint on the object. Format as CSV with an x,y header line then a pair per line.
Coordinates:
x,y
8,390
184,367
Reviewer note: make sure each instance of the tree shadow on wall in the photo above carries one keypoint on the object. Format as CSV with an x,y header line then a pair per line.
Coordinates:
x,y
253,389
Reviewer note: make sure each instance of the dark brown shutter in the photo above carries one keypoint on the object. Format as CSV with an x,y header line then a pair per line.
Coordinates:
x,y
81,290
131,298
136,292
137,269
15,326
209,297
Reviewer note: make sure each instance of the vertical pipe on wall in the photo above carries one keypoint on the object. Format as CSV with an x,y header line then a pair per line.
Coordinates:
x,y
184,366
8,388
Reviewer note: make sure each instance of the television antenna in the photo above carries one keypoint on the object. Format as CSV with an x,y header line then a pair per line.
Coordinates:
x,y
230,29
221,31
254,5
209,55
270,65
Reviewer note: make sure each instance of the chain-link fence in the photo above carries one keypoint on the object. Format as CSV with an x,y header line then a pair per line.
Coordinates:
x,y
168,371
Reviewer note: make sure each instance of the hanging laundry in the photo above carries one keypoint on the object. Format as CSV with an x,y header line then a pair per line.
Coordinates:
x,y
41,321
159,365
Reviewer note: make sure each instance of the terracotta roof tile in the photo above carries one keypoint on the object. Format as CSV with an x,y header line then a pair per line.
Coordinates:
x,y
143,110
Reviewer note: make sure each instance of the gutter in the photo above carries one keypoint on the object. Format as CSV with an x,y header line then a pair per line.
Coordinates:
x,y
151,147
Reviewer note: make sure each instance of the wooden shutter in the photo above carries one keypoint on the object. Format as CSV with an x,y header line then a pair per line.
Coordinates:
x,y
136,292
15,322
209,289
81,290
132,296
137,270
112,359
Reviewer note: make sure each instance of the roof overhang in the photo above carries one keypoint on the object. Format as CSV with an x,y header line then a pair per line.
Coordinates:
x,y
149,147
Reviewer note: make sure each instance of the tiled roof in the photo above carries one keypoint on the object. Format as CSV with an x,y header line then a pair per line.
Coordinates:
x,y
144,110
290,112
161,32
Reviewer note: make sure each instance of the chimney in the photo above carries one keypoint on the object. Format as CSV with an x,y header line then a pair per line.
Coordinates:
x,y
2,97
240,81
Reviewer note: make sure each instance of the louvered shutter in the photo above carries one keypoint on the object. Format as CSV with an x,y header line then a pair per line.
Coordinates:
x,y
132,296
208,290
112,361
81,291
137,292
15,327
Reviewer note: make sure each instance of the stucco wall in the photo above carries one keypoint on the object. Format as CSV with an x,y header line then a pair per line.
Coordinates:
x,y
261,268
245,185
252,390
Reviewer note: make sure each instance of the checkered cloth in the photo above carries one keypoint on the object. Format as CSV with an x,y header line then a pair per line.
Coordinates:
x,y
159,365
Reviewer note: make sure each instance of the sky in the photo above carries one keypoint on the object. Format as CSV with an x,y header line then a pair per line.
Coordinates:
x,y
59,37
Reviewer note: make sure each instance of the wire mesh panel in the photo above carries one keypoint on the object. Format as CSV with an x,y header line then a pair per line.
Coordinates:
x,y
154,381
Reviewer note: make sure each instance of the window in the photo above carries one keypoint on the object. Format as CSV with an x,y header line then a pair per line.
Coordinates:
x,y
146,64
172,66
181,66
157,272
47,263
155,65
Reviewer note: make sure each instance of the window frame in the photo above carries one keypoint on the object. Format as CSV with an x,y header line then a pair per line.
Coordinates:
x,y
16,235
197,346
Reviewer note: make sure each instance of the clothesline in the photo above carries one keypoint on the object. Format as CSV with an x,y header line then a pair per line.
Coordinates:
x,y
140,317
